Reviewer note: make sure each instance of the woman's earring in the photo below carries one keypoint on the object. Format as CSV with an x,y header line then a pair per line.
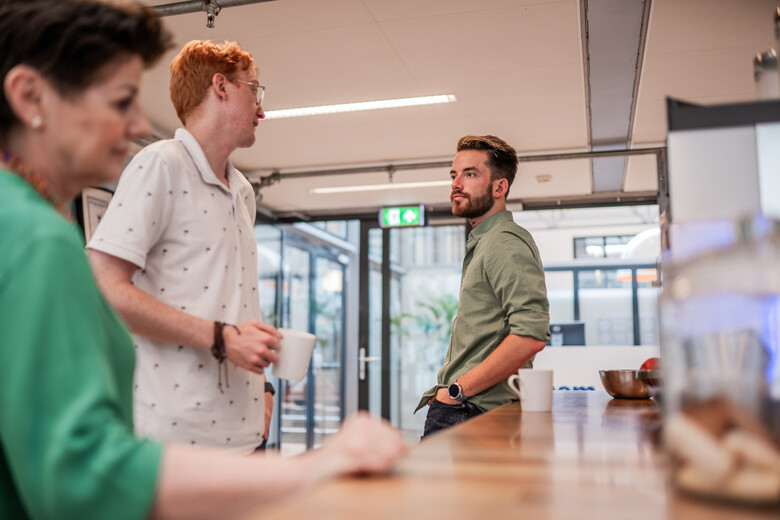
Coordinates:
x,y
36,122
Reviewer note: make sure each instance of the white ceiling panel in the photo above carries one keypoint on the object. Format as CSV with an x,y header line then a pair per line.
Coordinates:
x,y
329,58
364,139
532,131
496,39
547,87
700,74
692,25
700,51
384,10
641,173
552,179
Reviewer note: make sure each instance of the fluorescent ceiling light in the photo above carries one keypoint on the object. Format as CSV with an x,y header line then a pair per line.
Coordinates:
x,y
362,105
379,187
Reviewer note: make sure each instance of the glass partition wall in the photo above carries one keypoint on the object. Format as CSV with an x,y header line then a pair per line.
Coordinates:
x,y
413,283
302,286
614,304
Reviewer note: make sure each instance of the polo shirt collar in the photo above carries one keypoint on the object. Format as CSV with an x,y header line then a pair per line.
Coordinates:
x,y
202,164
483,228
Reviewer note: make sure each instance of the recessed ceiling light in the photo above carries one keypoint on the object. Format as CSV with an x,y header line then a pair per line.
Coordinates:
x,y
379,187
359,106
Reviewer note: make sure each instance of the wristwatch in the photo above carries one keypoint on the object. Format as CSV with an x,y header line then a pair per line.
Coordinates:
x,y
456,392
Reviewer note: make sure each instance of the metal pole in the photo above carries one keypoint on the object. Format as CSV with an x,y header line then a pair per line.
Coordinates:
x,y
363,316
196,6
387,276
448,163
635,305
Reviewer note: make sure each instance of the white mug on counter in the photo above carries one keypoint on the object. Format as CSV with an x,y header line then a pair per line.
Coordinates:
x,y
295,348
534,388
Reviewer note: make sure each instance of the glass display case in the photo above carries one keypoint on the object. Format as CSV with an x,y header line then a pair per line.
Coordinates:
x,y
721,375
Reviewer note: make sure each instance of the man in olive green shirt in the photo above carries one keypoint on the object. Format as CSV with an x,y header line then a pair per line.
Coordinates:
x,y
503,314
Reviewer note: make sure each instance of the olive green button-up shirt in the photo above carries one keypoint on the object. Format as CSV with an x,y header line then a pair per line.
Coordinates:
x,y
502,292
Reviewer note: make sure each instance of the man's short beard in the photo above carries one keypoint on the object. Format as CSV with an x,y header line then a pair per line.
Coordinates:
x,y
475,207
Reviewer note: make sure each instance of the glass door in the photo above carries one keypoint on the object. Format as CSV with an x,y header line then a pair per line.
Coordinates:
x,y
303,288
371,344
293,410
411,291
374,360
328,306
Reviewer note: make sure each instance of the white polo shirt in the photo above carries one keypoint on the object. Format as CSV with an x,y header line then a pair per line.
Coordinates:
x,y
194,242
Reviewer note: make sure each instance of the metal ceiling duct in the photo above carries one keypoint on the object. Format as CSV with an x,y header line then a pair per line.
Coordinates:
x,y
615,33
210,7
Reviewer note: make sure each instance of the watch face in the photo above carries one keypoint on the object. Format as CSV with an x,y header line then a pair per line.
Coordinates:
x,y
454,391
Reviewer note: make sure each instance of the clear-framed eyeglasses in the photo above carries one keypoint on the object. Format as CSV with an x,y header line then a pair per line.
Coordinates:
x,y
257,88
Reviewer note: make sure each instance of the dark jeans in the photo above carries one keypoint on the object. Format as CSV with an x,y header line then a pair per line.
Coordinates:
x,y
441,416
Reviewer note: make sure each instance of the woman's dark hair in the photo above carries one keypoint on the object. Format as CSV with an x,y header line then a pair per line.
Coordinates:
x,y
70,41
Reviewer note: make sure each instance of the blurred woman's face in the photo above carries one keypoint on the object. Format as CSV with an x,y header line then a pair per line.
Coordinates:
x,y
90,134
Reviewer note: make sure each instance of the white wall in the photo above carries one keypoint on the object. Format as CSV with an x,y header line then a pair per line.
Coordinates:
x,y
557,245
554,230
607,312
579,366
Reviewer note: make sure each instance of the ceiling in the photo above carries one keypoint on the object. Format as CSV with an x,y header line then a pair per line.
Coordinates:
x,y
551,77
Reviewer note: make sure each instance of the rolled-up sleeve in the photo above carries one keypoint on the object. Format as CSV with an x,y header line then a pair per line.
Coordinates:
x,y
517,278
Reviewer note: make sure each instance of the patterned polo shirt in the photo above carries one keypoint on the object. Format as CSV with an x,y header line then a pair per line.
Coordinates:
x,y
192,238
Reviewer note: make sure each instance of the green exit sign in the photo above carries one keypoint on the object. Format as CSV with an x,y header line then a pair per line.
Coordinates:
x,y
402,216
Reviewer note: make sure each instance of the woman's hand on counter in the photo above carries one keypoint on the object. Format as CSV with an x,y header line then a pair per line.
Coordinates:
x,y
366,445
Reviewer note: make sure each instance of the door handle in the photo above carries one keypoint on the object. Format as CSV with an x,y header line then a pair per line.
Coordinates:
x,y
362,360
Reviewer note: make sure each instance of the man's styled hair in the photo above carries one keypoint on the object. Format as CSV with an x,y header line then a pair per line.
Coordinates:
x,y
502,158
71,42
194,67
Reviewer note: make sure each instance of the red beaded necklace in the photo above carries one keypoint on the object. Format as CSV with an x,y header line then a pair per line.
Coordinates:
x,y
15,164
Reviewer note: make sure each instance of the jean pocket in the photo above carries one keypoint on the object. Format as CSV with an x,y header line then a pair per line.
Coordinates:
x,y
459,406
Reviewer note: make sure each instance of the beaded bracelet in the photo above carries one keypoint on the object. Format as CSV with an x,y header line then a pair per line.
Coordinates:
x,y
219,352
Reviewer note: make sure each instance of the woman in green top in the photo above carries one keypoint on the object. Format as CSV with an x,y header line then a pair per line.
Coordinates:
x,y
71,71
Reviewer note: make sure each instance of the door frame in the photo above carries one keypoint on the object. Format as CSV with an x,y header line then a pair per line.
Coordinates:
x,y
318,244
363,316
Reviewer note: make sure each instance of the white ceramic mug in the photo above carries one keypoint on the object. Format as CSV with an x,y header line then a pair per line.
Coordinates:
x,y
534,387
295,348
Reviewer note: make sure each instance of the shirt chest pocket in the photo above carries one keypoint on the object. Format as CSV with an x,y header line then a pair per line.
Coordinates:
x,y
476,289
201,221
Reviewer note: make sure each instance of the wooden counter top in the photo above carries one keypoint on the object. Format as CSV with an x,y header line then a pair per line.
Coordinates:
x,y
589,458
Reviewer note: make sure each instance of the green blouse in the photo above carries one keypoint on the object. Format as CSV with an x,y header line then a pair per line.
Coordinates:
x,y
67,448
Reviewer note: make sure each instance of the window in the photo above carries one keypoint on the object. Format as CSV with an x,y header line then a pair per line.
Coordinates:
x,y
337,228
600,247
